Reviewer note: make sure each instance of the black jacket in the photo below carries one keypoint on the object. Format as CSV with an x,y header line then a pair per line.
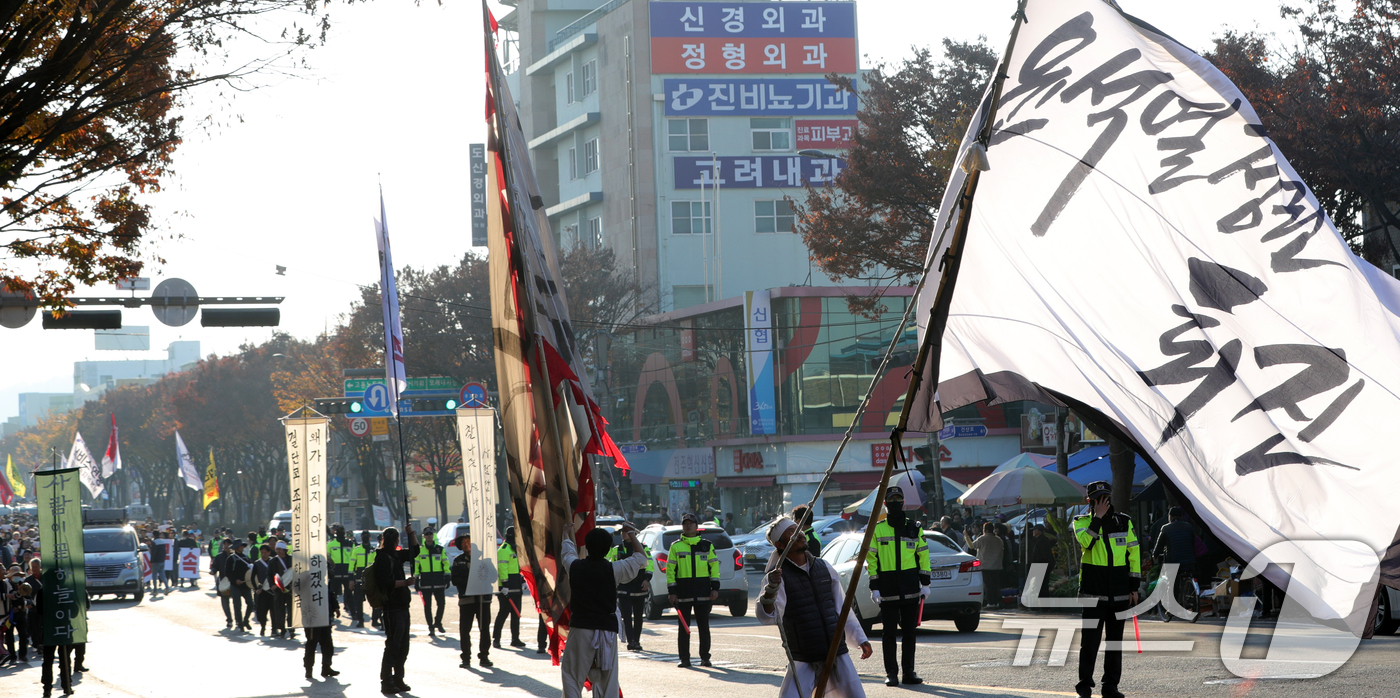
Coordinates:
x,y
388,568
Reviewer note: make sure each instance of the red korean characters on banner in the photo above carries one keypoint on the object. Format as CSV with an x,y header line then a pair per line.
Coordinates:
x,y
825,134
701,55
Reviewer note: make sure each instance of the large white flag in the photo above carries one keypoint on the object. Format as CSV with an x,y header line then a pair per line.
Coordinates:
x,y
188,472
89,470
1140,247
395,378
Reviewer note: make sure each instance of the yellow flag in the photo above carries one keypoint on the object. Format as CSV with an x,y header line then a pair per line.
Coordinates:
x,y
211,482
16,481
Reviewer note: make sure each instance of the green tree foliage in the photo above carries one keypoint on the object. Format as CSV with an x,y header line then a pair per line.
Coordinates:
x,y
874,224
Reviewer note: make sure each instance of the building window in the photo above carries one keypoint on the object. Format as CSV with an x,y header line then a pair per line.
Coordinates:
x,y
573,163
690,217
688,135
771,134
595,233
569,88
772,216
590,156
590,78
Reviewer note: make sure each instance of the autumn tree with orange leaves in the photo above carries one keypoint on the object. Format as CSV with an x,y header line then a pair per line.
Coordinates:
x,y
89,120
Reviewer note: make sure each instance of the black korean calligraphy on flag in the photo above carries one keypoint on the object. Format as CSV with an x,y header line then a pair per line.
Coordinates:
x,y
1140,247
58,495
550,420
306,473
476,434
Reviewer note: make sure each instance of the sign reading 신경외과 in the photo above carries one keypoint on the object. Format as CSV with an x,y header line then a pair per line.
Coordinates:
x,y
747,37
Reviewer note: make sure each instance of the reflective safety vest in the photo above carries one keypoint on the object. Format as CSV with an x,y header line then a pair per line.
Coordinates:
x,y
360,557
337,553
692,569
506,562
639,585
214,548
429,562
1111,564
898,563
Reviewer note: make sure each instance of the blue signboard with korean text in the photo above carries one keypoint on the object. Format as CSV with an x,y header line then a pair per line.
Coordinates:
x,y
756,97
755,171
771,20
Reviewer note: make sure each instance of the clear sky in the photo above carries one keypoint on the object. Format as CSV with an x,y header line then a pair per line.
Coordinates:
x,y
291,175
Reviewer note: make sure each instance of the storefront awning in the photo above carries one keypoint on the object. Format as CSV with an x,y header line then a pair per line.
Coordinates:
x,y
756,481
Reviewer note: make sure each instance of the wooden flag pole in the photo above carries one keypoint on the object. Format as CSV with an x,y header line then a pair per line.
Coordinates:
x,y
931,348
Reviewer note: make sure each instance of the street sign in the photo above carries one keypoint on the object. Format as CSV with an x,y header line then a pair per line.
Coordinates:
x,y
962,431
436,384
473,395
337,483
633,448
379,428
359,426
377,398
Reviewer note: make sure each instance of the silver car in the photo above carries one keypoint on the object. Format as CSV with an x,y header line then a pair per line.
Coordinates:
x,y
733,583
956,586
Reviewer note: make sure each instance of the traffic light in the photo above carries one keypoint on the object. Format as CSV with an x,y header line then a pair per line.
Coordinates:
x,y
339,405
84,320
240,317
434,404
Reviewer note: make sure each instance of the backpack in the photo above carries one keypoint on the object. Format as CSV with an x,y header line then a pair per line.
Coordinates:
x,y
373,594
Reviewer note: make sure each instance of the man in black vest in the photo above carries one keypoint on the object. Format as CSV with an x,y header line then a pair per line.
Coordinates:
x,y
471,608
803,598
236,569
389,576
591,652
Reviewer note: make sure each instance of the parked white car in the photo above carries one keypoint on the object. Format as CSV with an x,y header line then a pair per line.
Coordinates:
x,y
733,582
956,586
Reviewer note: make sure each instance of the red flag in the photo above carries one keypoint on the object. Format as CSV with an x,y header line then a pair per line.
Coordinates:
x,y
7,495
112,459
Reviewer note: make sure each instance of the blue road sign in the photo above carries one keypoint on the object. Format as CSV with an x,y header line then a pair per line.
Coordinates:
x,y
632,448
377,397
337,483
962,431
473,395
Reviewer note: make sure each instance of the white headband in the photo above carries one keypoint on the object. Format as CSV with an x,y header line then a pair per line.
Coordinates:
x,y
776,531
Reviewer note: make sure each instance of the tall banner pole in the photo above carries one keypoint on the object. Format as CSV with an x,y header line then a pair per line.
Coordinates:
x,y
59,496
306,471
476,432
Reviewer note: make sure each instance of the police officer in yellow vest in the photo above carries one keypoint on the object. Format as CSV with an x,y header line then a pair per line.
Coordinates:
x,y
338,553
430,567
511,583
899,579
632,596
1110,573
692,582
361,557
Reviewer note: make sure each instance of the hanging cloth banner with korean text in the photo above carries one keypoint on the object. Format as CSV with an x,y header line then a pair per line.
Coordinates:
x,y
306,470
89,471
58,494
476,432
211,482
1141,247
549,417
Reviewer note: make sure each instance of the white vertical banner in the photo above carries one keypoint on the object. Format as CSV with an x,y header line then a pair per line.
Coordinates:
x,y
89,471
188,472
476,432
396,379
306,469
758,336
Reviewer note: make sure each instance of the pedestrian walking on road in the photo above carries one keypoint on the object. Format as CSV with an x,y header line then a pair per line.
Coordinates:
x,y
471,608
692,583
186,542
283,567
361,557
236,568
510,589
591,652
1110,572
389,577
631,596
802,596
63,653
990,551
222,583
158,555
1042,550
899,581
319,636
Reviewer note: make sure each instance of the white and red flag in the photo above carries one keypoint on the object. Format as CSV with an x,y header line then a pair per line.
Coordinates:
x,y
112,459
395,377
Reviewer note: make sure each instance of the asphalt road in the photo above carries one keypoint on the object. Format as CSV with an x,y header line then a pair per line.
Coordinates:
x,y
174,644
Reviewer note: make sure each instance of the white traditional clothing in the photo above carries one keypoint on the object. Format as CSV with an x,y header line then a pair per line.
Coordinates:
x,y
592,654
801,679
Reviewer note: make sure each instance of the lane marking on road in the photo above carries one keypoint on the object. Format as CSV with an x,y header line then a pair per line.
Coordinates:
x,y
938,684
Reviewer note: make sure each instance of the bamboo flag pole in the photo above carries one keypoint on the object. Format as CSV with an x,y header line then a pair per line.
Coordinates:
x,y
931,348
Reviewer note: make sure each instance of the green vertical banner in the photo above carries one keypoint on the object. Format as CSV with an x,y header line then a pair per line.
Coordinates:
x,y
64,577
